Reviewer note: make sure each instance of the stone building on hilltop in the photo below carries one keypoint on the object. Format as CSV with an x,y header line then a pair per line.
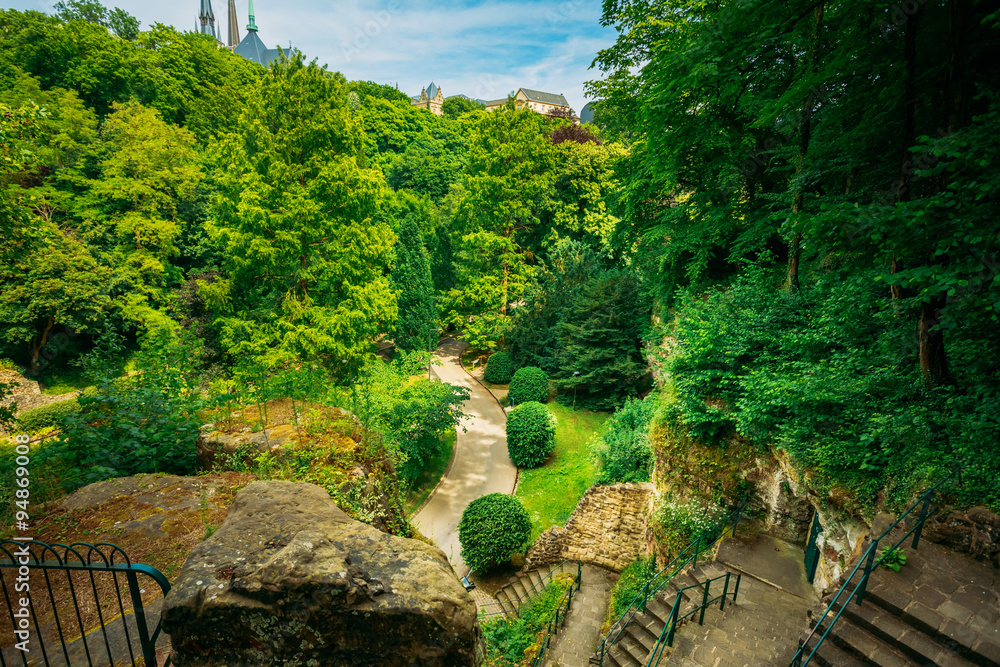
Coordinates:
x,y
431,98
548,104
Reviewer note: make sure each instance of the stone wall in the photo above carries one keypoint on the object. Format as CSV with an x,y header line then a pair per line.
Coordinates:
x,y
27,394
608,528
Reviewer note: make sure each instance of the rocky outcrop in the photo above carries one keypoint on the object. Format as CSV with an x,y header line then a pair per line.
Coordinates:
x,y
289,579
607,528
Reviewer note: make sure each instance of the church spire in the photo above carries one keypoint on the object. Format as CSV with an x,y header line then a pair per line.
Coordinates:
x,y
234,27
207,18
253,23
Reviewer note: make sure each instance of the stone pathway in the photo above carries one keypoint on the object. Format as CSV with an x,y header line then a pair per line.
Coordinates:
x,y
480,465
577,639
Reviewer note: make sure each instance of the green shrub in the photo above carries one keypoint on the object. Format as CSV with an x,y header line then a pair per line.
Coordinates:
x,y
507,639
675,524
32,421
531,434
631,582
499,368
529,384
141,423
493,528
623,452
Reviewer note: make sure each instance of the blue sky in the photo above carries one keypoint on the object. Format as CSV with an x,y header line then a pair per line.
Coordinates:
x,y
477,48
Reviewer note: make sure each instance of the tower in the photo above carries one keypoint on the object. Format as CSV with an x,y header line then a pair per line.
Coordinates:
x,y
252,25
206,17
234,26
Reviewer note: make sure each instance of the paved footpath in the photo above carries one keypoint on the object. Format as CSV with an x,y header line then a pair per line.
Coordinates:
x,y
577,639
480,465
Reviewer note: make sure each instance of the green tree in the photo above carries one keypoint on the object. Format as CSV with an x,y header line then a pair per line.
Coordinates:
x,y
149,170
117,20
411,280
454,107
296,216
531,434
55,283
601,361
492,529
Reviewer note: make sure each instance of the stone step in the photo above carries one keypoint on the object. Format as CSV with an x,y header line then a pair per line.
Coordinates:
x,y
623,656
831,655
868,647
535,578
918,645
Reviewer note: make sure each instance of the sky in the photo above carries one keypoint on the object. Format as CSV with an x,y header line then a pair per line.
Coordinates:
x,y
476,48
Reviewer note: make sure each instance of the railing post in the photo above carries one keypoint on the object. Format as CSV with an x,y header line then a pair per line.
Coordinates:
x,y
725,592
704,602
148,650
737,589
697,550
645,594
869,561
579,574
672,621
920,522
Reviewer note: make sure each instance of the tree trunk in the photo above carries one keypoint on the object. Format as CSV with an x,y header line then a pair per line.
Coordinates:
x,y
37,344
933,359
795,251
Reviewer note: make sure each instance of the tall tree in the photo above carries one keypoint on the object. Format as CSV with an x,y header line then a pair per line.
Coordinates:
x,y
411,280
296,215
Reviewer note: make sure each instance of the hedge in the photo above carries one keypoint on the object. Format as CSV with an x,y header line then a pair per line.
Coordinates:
x,y
529,384
31,421
493,528
531,434
499,368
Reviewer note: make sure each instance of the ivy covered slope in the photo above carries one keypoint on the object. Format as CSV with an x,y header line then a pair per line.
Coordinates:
x,y
818,229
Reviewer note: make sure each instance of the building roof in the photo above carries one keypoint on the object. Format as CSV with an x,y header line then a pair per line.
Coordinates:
x,y
545,98
587,113
432,90
253,48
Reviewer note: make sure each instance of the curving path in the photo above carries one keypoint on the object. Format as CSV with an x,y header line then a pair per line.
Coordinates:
x,y
480,464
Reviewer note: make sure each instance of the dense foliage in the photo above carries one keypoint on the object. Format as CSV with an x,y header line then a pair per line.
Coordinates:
x,y
493,528
630,585
529,384
818,227
499,368
508,639
623,451
531,434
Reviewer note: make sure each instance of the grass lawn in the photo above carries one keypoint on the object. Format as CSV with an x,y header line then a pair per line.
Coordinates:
x,y
550,493
422,487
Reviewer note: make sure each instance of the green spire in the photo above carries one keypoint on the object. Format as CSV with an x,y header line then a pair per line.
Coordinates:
x,y
253,23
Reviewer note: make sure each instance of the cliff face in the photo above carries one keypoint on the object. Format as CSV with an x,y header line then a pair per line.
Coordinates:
x,y
787,502
289,579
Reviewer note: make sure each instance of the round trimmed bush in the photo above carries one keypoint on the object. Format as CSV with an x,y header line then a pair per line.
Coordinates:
x,y
529,384
53,414
499,368
493,528
531,434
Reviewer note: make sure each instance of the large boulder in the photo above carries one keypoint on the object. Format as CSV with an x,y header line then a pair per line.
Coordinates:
x,y
289,579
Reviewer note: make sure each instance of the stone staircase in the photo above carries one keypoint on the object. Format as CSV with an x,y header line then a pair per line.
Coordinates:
x,y
941,608
636,642
523,587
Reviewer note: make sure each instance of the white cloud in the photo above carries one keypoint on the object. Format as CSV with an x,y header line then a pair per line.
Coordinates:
x,y
476,48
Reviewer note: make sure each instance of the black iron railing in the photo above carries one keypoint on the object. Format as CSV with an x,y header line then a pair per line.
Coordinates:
x,y
666,637
557,619
73,610
866,565
690,554
497,608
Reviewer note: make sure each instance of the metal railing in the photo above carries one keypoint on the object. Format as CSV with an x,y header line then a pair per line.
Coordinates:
x,y
670,629
496,608
75,586
867,564
557,619
690,554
